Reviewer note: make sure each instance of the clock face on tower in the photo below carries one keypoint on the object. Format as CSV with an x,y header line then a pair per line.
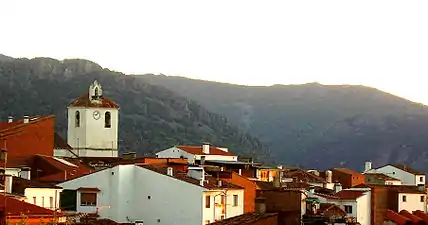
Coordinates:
x,y
96,115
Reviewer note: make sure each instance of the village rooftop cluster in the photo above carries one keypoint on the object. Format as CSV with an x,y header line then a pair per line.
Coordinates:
x,y
83,180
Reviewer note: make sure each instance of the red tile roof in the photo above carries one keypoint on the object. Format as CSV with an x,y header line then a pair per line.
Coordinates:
x,y
422,215
413,218
349,194
245,219
64,170
303,176
347,171
197,150
6,126
397,218
15,207
329,209
210,182
84,101
93,189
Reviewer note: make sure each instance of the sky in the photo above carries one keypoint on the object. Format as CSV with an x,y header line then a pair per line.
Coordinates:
x,y
382,44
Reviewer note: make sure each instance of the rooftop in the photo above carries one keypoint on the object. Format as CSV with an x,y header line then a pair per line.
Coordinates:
x,y
407,169
197,150
347,171
381,176
303,176
16,207
349,194
5,126
245,219
84,101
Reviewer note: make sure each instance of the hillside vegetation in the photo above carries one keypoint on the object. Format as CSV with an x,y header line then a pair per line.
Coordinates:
x,y
314,125
152,118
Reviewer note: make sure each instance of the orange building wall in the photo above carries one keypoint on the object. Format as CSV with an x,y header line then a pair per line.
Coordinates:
x,y
33,138
30,221
249,190
347,180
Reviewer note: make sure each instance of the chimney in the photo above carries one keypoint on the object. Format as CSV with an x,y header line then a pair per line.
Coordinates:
x,y
203,160
206,148
221,168
8,182
367,166
260,206
337,187
312,190
10,119
328,176
170,171
219,183
26,119
25,173
240,171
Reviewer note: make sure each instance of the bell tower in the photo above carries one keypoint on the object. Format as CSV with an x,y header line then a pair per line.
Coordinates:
x,y
93,123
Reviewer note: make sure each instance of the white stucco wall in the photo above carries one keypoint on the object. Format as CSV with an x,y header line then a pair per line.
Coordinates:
x,y
214,213
405,177
175,152
135,193
43,196
92,134
393,182
413,202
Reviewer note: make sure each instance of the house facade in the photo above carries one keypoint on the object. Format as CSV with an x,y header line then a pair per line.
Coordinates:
x,y
381,179
199,154
407,175
129,193
348,178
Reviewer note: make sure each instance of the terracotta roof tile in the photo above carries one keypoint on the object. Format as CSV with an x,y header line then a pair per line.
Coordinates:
x,y
197,150
84,101
422,215
303,176
329,209
16,207
245,219
67,170
5,126
397,218
347,171
414,218
407,169
349,194
210,182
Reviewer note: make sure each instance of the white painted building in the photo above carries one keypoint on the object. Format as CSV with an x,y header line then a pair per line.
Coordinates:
x,y
129,193
405,174
193,153
410,199
47,197
356,202
93,123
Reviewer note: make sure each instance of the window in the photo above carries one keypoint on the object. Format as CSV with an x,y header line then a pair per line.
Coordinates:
x,y
107,120
43,201
235,200
96,92
34,200
422,198
77,119
222,217
404,198
51,202
222,199
88,199
207,201
348,209
421,179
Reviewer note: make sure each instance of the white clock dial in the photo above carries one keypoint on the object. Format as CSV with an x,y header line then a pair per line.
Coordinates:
x,y
96,115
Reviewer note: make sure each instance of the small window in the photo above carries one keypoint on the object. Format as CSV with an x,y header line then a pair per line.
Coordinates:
x,y
235,200
34,200
107,120
421,179
223,199
404,198
422,198
207,201
348,209
222,217
96,92
77,119
88,199
51,205
43,201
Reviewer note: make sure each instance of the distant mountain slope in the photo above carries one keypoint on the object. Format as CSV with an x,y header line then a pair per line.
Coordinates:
x,y
315,125
152,118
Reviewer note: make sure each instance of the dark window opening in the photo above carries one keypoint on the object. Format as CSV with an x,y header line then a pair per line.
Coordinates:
x,y
404,198
107,118
348,209
88,199
77,119
207,201
422,198
235,200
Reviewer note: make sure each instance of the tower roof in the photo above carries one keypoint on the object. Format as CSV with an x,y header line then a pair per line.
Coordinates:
x,y
85,101
94,98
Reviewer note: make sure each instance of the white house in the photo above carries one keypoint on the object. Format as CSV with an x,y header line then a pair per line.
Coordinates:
x,y
409,198
129,193
356,202
93,123
405,174
204,152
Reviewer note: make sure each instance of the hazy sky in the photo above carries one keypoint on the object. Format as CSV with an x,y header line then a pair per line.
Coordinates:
x,y
383,44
